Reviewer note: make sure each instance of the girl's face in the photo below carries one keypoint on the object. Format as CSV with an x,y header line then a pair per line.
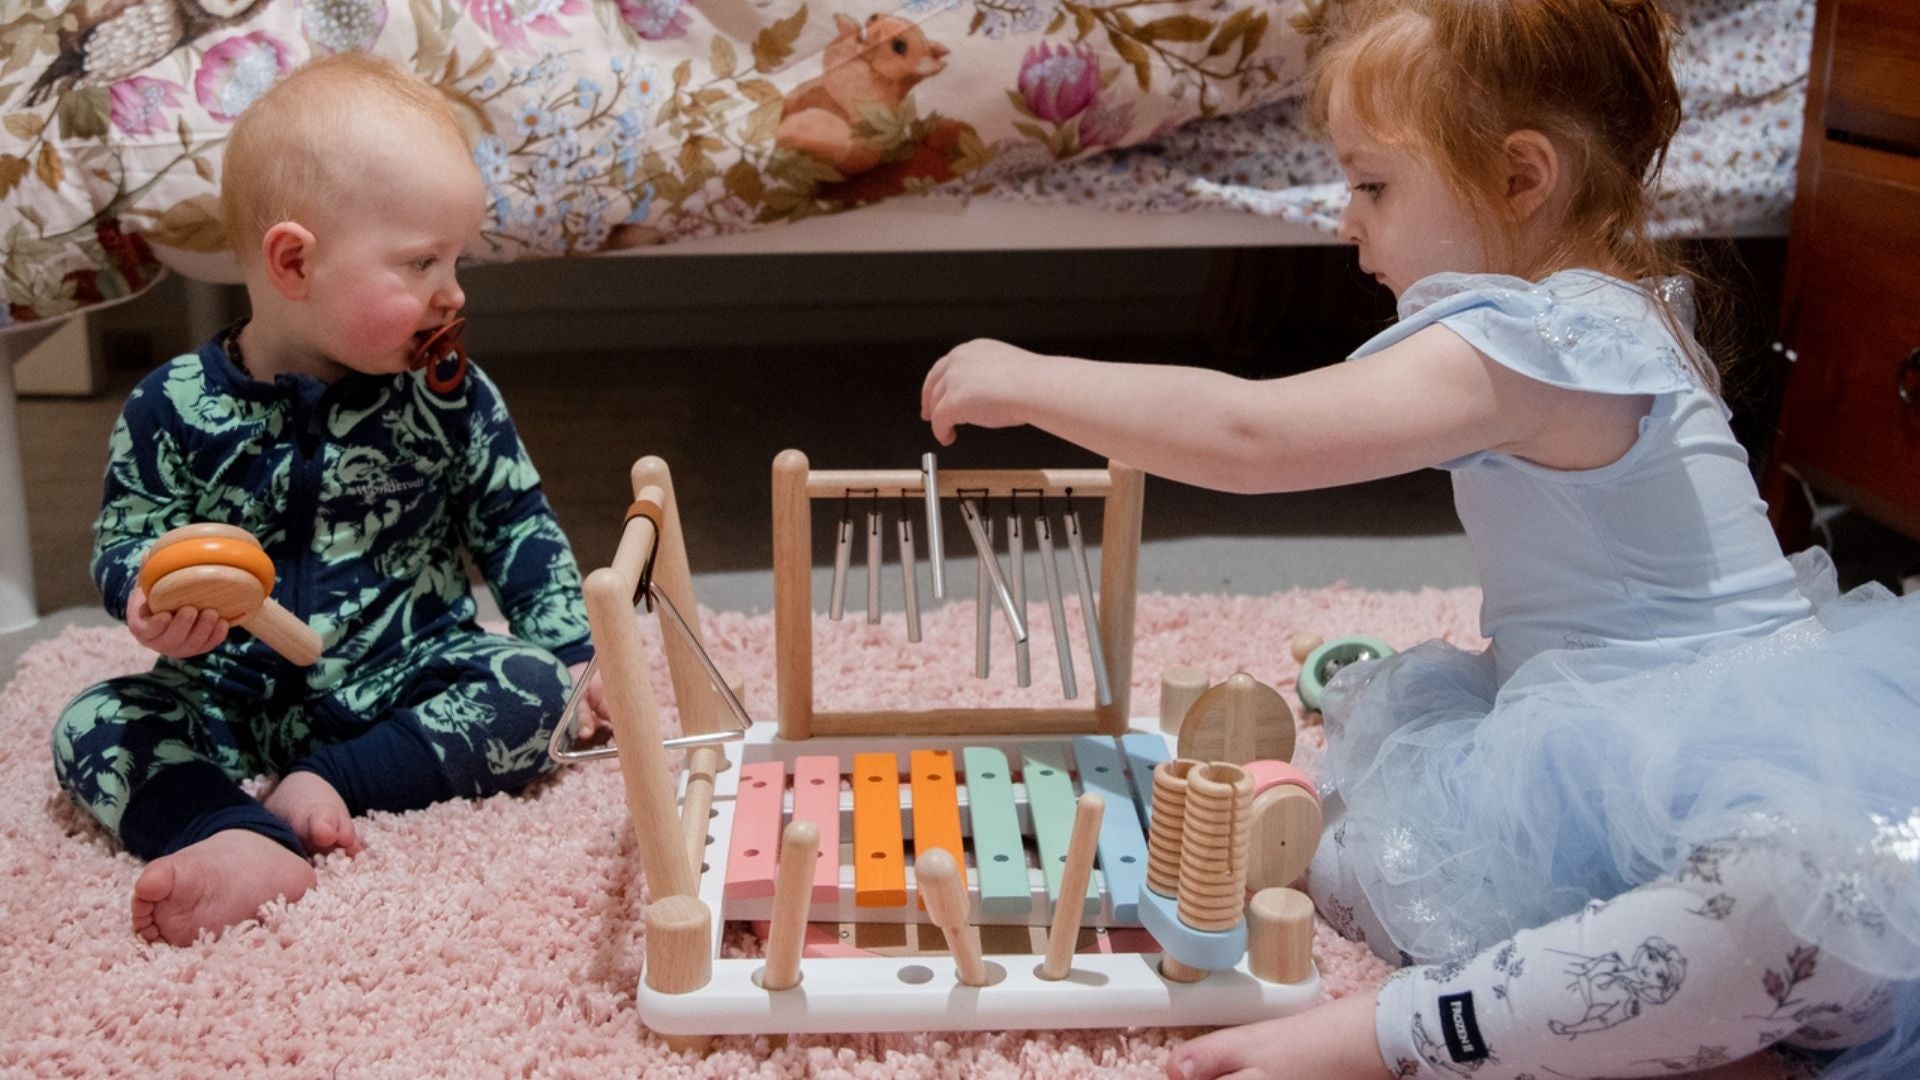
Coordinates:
x,y
383,274
1401,215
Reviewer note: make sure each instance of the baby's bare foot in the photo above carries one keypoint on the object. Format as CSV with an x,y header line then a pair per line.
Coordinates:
x,y
214,884
317,813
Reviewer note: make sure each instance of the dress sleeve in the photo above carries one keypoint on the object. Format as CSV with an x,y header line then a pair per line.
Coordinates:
x,y
1584,332
508,526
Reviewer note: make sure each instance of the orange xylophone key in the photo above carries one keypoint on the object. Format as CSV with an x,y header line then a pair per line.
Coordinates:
x,y
879,847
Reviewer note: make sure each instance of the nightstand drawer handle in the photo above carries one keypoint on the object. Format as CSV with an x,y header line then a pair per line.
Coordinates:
x,y
1907,378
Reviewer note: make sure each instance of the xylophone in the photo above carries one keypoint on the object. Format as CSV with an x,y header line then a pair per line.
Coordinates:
x,y
942,869
1003,808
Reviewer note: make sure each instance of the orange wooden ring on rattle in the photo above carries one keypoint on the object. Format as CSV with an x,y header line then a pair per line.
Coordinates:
x,y
223,568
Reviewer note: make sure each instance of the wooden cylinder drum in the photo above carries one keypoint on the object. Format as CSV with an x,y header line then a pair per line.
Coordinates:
x,y
1169,815
1213,846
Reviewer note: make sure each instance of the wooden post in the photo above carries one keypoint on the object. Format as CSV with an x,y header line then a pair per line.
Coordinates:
x,y
704,764
1119,585
944,888
680,955
792,896
636,726
1180,687
701,708
793,594
1065,933
1280,935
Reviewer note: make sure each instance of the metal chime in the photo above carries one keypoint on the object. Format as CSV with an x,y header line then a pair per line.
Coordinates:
x,y
994,586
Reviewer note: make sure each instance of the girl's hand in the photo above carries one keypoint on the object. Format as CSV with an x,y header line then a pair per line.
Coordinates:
x,y
977,383
181,633
592,717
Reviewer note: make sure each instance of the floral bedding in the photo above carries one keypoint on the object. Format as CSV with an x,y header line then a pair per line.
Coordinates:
x,y
600,124
1742,70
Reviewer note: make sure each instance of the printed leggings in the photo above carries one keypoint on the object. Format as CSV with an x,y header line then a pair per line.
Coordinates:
x,y
1686,973
157,758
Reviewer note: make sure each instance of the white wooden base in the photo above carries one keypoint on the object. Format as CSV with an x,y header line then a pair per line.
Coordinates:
x,y
923,992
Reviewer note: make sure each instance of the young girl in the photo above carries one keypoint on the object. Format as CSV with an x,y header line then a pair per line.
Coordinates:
x,y
1671,818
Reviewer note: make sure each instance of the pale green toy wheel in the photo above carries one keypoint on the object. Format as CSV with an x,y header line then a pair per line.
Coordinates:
x,y
1323,662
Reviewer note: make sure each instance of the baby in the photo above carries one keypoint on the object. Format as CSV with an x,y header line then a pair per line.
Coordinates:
x,y
349,194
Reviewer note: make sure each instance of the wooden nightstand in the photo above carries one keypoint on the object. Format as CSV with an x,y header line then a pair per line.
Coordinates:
x,y
1850,315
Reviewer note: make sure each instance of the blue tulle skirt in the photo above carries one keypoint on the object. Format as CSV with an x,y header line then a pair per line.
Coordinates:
x,y
1473,810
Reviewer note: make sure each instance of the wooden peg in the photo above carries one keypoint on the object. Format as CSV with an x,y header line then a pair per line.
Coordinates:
x,y
704,765
1280,935
679,933
944,889
636,726
792,898
1241,720
1303,644
208,565
1286,832
1180,687
1087,812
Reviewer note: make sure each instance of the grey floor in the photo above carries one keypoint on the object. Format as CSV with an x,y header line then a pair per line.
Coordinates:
x,y
719,415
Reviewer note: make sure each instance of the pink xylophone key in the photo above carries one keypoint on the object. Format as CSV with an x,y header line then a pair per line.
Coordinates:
x,y
816,798
755,845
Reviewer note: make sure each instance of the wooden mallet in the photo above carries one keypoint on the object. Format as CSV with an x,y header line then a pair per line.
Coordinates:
x,y
223,568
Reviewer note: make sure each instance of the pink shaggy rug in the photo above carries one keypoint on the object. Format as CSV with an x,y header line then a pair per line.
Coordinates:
x,y
501,937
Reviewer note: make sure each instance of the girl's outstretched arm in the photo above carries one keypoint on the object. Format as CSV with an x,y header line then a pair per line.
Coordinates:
x,y
1414,404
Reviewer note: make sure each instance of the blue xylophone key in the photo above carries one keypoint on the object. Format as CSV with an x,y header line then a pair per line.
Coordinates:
x,y
1123,846
1144,750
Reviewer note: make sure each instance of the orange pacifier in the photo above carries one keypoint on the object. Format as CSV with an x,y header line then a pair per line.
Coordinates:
x,y
223,568
442,350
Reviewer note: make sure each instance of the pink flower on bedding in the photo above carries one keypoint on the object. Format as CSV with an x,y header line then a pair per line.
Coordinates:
x,y
1059,83
1106,124
139,104
655,20
238,70
508,20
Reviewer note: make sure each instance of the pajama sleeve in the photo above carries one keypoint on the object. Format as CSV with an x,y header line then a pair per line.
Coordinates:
x,y
146,488
507,525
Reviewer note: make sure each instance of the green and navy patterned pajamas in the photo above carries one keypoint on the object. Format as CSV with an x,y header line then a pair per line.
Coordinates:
x,y
364,492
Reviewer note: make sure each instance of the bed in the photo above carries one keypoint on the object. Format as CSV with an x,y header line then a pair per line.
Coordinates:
x,y
674,127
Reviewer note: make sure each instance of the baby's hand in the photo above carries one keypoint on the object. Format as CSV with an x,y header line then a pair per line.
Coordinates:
x,y
977,383
591,718
180,633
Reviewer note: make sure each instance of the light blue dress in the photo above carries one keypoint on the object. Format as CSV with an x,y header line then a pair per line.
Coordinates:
x,y
1661,677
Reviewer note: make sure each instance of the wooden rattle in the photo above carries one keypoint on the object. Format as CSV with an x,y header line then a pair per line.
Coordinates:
x,y
223,568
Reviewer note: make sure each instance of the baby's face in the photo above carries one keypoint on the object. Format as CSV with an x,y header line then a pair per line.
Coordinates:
x,y
1405,220
385,252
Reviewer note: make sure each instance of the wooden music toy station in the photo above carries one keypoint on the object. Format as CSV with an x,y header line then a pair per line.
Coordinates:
x,y
952,868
